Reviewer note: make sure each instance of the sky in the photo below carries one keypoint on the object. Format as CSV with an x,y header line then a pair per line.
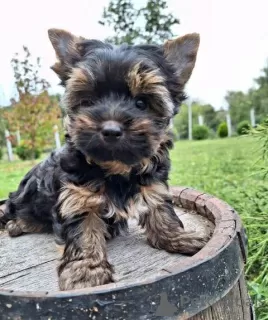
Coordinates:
x,y
233,48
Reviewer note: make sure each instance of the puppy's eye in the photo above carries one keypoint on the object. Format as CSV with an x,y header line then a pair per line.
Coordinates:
x,y
141,104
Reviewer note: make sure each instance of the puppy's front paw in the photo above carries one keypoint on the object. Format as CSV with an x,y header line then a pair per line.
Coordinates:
x,y
81,274
179,241
189,243
13,228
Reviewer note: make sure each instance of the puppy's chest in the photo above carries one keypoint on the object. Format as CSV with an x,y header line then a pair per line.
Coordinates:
x,y
120,190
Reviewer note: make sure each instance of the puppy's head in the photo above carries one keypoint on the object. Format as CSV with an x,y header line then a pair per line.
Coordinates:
x,y
120,99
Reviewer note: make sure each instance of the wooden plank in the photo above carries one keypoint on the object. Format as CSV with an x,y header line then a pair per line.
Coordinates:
x,y
246,305
234,306
229,307
29,262
204,315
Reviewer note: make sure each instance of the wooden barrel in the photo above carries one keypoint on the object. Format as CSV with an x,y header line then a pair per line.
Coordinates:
x,y
150,283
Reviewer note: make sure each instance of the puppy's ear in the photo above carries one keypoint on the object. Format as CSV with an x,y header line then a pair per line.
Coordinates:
x,y
67,49
181,53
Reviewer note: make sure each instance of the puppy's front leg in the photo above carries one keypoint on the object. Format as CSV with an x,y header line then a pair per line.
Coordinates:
x,y
84,262
163,227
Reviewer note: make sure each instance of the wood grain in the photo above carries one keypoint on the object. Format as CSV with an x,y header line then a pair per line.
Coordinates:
x,y
28,263
234,306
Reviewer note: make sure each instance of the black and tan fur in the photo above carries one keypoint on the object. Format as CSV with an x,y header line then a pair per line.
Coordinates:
x,y
86,191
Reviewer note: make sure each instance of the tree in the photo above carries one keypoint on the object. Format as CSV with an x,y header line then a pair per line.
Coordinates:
x,y
259,96
240,103
262,80
211,118
34,112
151,23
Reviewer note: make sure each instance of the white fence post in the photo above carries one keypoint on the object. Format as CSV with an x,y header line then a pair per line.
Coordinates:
x,y
229,124
9,146
200,120
252,117
57,136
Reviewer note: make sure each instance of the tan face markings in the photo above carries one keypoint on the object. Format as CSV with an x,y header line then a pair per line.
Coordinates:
x,y
153,84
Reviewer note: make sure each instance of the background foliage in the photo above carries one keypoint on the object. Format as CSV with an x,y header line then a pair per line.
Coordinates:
x,y
151,23
34,112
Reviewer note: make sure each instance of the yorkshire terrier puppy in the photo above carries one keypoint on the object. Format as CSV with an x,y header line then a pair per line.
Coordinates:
x,y
119,101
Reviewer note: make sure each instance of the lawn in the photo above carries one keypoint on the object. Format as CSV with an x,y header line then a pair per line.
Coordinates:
x,y
225,168
11,174
220,167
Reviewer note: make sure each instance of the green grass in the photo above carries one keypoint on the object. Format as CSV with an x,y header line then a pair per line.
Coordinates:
x,y
228,169
225,168
11,174
218,167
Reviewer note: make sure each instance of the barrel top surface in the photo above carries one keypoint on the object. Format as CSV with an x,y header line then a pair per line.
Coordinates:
x,y
28,263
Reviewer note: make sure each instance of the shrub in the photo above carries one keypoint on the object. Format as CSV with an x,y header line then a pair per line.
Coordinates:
x,y
1,153
243,127
222,130
26,153
200,132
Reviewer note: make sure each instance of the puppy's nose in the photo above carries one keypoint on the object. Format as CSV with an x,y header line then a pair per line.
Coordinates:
x,y
111,131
